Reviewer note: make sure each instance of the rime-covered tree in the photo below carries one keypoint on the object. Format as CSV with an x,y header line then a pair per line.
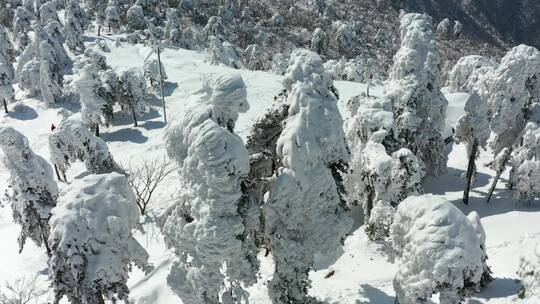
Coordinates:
x,y
529,274
73,32
56,39
95,110
93,248
468,71
32,190
135,18
473,130
133,97
29,78
487,277
319,41
279,63
173,31
152,74
344,38
51,74
209,226
415,92
525,165
304,214
214,27
438,252
444,28
112,18
72,141
21,27
222,53
48,12
7,95
7,51
255,58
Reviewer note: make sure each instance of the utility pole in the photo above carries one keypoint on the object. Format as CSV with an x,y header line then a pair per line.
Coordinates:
x,y
161,85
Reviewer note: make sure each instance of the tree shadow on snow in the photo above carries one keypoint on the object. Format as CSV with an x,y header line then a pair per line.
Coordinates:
x,y
500,288
169,88
374,295
22,112
124,135
121,119
453,181
153,124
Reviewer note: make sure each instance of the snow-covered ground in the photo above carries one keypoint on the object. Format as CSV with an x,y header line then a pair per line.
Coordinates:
x,y
361,272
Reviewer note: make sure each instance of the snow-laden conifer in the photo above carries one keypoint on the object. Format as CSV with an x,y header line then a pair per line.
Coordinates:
x,y
32,190
208,229
73,32
72,141
48,12
415,91
438,251
7,51
7,95
152,74
133,98
93,248
304,214
222,53
51,74
95,110
468,70
135,18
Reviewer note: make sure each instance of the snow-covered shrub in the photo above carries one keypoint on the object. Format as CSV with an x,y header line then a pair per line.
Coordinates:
x,y
474,218
529,274
466,73
458,29
173,32
51,74
133,98
208,227
222,52
344,37
438,251
92,242
152,75
255,58
508,94
279,64
29,78
73,32
415,92
304,214
350,70
319,41
48,12
444,27
32,190
72,141
135,18
95,110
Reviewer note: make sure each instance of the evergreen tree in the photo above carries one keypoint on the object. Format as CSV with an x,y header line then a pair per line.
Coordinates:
x,y
133,97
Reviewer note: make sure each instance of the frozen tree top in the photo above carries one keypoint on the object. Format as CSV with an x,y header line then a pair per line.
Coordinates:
x,y
307,66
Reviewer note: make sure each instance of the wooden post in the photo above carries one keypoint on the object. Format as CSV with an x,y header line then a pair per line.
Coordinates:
x,y
470,171
161,85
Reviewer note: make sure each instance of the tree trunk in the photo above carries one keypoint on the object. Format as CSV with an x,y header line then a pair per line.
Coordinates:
x,y
5,106
99,30
369,205
134,117
57,173
100,300
499,172
470,171
96,130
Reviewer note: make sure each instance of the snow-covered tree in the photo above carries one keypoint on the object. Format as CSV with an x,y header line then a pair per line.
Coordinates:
x,y
110,88
73,32
279,64
319,41
93,248
214,27
7,51
7,95
304,214
173,32
458,29
133,97
21,27
29,78
135,18
208,228
51,74
525,165
48,12
474,218
255,58
152,73
95,110
473,130
73,8
529,274
344,38
277,20
438,251
222,52
444,28
72,141
112,18
415,92
55,38
32,190
466,74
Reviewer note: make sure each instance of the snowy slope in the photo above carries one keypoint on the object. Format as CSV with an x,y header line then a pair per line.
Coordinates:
x,y
361,273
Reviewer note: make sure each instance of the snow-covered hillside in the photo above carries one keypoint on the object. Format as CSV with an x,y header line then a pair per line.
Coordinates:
x,y
359,273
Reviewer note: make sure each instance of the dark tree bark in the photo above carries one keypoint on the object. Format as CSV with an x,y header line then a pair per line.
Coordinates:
x,y
5,106
470,171
499,172
134,117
